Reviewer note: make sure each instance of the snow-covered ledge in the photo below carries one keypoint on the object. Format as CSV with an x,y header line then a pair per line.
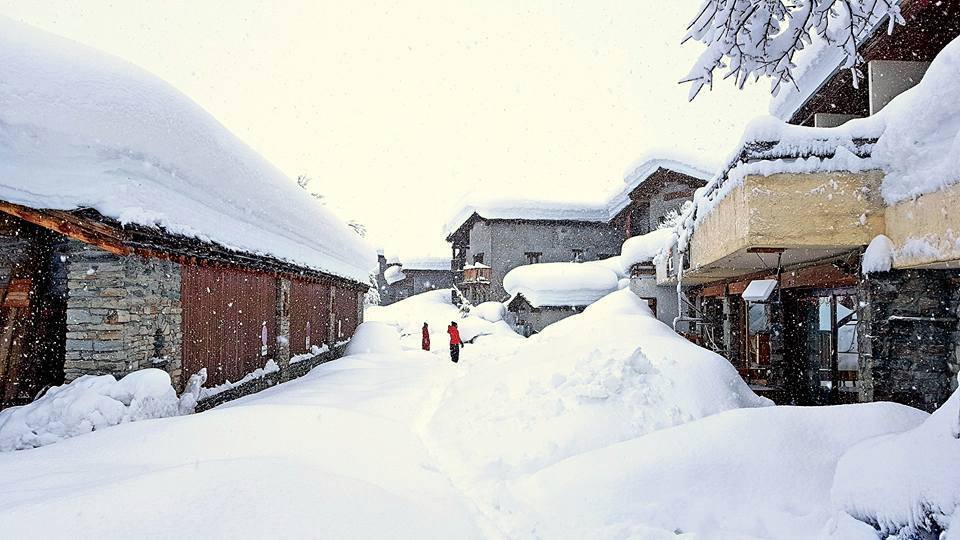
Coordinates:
x,y
815,213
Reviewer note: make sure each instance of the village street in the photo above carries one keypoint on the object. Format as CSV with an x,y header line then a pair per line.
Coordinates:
x,y
405,444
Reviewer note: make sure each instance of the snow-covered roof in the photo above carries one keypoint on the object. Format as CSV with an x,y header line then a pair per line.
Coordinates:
x,y
602,212
426,263
643,169
527,209
83,129
644,248
560,284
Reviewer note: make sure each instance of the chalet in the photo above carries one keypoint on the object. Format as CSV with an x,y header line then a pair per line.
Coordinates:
x,y
398,280
822,260
136,231
503,235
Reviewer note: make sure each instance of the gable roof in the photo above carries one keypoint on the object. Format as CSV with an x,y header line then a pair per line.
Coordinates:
x,y
80,129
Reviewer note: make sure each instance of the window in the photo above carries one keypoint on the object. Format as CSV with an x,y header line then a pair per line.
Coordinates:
x,y
533,257
577,255
478,258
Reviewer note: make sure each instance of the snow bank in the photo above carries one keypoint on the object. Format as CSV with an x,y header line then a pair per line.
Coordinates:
x,y
746,473
906,482
87,404
82,129
374,337
560,284
603,376
270,367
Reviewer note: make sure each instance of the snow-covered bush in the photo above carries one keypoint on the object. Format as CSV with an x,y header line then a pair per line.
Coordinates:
x,y
908,483
87,404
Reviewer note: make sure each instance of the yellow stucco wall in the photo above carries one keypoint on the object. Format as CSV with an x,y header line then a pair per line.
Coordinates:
x,y
837,209
925,230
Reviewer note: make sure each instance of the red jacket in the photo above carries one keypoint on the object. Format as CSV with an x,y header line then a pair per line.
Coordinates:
x,y
426,339
454,335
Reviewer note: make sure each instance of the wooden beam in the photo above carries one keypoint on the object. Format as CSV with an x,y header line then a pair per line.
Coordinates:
x,y
67,225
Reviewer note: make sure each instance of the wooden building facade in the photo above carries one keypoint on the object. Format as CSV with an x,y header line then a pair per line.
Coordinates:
x,y
81,294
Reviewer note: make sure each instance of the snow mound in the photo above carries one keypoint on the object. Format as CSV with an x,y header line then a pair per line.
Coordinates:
x,y
87,404
374,337
746,473
561,284
609,374
394,274
643,248
908,482
878,257
489,311
82,129
920,145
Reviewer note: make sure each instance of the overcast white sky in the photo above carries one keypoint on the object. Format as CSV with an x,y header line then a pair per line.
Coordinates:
x,y
400,109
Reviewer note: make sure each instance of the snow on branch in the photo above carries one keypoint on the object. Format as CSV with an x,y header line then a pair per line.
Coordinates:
x,y
754,38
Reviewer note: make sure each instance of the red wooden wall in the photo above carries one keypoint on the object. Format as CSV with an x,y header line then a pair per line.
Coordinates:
x,y
224,313
309,305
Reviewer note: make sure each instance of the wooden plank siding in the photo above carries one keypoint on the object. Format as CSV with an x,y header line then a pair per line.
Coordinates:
x,y
309,315
225,311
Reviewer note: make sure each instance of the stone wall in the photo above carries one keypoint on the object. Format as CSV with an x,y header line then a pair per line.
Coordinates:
x,y
123,314
908,336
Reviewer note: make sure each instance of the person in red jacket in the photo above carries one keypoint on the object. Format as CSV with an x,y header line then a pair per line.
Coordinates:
x,y
426,337
455,342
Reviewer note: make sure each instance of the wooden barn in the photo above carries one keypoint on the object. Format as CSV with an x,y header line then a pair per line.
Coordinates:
x,y
136,231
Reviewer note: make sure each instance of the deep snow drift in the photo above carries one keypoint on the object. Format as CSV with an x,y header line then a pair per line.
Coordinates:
x,y
82,129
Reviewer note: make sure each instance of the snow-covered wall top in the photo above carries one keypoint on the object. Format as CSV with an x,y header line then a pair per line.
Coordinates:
x,y
567,211
561,284
82,129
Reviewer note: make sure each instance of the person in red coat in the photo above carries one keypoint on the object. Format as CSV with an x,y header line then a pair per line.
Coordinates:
x,y
426,337
455,342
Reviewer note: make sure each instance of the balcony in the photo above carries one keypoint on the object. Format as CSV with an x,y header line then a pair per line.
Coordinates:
x,y
788,217
475,274
926,231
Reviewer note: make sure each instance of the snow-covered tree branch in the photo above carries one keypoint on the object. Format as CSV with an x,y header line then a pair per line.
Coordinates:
x,y
753,38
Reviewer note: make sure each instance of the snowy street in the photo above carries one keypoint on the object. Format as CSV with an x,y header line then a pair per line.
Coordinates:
x,y
336,454
549,437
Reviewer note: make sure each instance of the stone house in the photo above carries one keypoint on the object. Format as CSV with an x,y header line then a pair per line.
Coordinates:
x,y
137,232
412,276
504,235
774,263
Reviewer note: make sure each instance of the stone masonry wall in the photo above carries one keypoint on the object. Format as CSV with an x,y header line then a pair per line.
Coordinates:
x,y
908,336
123,314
